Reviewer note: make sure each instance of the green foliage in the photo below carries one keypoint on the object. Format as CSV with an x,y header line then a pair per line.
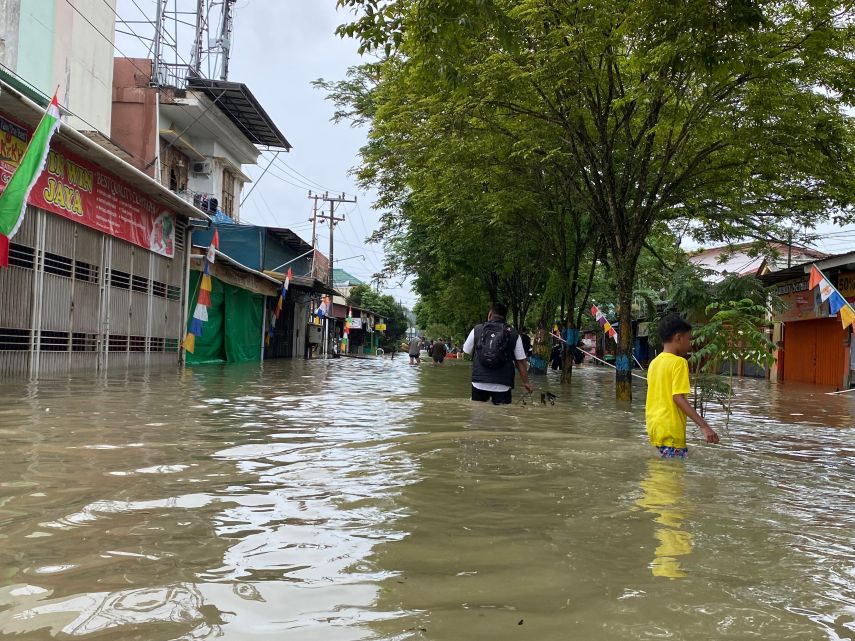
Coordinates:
x,y
735,333
506,127
383,305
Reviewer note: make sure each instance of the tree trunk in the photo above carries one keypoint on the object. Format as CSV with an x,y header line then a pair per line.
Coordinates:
x,y
623,358
568,353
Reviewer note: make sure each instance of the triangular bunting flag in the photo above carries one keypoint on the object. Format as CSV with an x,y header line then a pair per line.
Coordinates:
x,y
847,316
189,342
204,297
206,283
196,327
815,277
825,289
201,313
836,302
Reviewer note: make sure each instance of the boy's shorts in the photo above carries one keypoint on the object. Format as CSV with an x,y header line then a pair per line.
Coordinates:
x,y
673,452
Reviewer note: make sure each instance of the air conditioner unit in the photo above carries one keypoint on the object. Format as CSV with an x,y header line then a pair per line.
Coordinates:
x,y
201,168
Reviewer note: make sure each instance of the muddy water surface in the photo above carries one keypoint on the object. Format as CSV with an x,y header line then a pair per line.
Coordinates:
x,y
354,499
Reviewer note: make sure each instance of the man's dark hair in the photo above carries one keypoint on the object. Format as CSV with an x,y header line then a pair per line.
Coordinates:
x,y
499,309
672,325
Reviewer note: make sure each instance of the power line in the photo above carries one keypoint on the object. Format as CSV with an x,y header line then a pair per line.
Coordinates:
x,y
101,33
48,98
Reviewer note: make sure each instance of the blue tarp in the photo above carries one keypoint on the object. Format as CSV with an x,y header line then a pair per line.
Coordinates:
x,y
254,247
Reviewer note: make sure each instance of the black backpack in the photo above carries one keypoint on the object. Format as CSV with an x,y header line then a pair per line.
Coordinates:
x,y
494,345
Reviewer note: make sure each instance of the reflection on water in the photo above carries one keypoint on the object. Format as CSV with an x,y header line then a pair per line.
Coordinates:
x,y
120,611
664,497
354,500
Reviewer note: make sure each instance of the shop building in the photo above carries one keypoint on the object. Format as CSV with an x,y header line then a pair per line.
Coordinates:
x,y
813,347
97,276
271,251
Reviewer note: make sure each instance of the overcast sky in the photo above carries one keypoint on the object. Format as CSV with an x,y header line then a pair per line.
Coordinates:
x,y
279,47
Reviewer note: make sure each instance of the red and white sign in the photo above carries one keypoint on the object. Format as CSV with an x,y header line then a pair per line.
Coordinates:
x,y
81,191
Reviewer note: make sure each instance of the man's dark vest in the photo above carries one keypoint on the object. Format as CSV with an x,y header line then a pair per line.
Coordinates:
x,y
503,375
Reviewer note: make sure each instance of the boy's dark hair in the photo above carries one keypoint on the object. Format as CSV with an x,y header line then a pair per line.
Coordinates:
x,y
672,325
499,309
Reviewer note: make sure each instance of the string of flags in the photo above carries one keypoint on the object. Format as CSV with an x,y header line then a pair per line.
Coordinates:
x,y
828,292
604,323
347,322
203,300
271,326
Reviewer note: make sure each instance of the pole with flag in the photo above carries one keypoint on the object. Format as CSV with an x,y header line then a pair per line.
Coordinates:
x,y
203,300
837,304
277,311
13,200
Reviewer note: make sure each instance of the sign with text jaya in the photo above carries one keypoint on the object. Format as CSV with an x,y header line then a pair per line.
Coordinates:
x,y
79,190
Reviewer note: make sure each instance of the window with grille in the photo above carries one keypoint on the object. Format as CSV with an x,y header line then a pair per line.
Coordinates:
x,y
118,343
85,272
58,265
82,342
22,256
14,340
120,280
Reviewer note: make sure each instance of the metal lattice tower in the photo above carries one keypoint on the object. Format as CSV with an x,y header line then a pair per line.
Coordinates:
x,y
185,38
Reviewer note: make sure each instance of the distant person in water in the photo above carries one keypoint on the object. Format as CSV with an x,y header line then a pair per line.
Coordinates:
x,y
438,351
415,349
667,392
496,350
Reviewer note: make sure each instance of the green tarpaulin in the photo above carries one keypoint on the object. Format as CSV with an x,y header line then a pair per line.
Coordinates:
x,y
232,332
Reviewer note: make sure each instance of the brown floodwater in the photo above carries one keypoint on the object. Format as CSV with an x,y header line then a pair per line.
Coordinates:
x,y
367,499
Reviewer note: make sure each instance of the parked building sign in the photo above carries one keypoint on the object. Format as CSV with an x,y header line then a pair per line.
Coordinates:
x,y
801,302
80,191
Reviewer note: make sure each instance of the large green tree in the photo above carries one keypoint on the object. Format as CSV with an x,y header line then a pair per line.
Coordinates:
x,y
727,114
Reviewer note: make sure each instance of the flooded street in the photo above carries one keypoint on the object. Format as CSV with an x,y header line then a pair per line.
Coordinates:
x,y
359,499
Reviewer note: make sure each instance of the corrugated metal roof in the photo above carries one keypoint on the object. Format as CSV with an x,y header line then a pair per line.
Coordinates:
x,y
236,101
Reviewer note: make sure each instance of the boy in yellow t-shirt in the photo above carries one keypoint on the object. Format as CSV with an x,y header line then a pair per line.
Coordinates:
x,y
667,389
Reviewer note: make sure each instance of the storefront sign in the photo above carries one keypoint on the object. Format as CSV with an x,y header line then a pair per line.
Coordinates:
x,y
79,190
356,323
801,302
380,327
846,285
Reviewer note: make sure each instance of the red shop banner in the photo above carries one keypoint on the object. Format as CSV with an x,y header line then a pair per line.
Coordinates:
x,y
79,190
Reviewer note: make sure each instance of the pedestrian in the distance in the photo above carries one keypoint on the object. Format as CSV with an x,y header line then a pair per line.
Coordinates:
x,y
438,352
415,349
496,351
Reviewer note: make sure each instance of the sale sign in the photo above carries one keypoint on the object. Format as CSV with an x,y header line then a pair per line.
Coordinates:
x,y
83,192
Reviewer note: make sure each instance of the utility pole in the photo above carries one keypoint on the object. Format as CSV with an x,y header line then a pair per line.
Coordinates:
x,y
315,198
334,202
314,220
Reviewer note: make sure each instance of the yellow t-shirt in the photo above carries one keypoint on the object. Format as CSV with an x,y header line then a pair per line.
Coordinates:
x,y
667,375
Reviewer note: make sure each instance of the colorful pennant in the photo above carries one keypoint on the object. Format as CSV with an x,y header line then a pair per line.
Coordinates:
x,y
203,300
604,323
828,292
280,303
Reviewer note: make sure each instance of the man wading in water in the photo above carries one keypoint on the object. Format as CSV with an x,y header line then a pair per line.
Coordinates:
x,y
496,350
